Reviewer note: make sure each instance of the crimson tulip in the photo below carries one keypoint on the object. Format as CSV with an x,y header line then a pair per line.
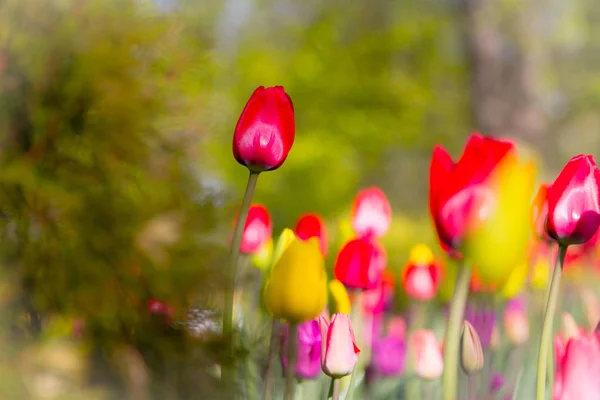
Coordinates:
x,y
371,213
458,192
311,225
265,132
258,229
360,264
574,202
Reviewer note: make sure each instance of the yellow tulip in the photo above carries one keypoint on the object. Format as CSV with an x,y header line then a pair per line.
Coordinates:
x,y
515,282
340,300
286,237
498,242
296,289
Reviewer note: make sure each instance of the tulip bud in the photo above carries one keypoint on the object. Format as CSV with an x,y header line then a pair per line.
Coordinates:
x,y
371,213
258,229
339,352
296,289
429,363
471,352
574,202
265,132
311,225
516,323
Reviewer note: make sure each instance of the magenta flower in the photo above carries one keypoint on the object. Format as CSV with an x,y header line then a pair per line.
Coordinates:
x,y
308,356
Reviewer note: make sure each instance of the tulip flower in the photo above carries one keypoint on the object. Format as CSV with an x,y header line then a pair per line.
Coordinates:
x,y
308,350
296,289
574,202
458,192
428,354
421,277
388,356
258,229
311,225
371,213
265,132
539,212
516,324
471,359
360,264
339,352
577,368
340,300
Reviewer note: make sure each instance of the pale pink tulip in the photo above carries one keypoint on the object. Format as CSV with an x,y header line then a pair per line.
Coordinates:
x,y
577,368
338,346
429,363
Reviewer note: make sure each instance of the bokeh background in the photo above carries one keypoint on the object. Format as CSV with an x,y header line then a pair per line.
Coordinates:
x,y
117,182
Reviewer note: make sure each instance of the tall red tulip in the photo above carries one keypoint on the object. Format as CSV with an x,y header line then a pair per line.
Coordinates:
x,y
265,132
360,264
539,212
457,191
311,225
258,229
371,213
574,202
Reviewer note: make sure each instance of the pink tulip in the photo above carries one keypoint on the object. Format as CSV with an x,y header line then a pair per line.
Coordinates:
x,y
308,354
577,368
371,213
429,363
338,346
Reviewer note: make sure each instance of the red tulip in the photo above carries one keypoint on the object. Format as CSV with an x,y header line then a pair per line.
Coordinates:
x,y
539,212
458,193
265,132
371,213
311,225
258,229
360,264
574,202
577,368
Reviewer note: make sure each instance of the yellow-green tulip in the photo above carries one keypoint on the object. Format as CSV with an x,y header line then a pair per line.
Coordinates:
x,y
296,289
498,242
340,300
515,282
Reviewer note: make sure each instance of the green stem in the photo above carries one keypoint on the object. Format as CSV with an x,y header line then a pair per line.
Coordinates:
x,y
291,356
335,389
228,370
271,360
452,337
351,388
545,344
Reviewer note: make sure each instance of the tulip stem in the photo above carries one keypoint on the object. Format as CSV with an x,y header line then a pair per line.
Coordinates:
x,y
547,327
291,369
228,370
271,360
334,389
452,337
